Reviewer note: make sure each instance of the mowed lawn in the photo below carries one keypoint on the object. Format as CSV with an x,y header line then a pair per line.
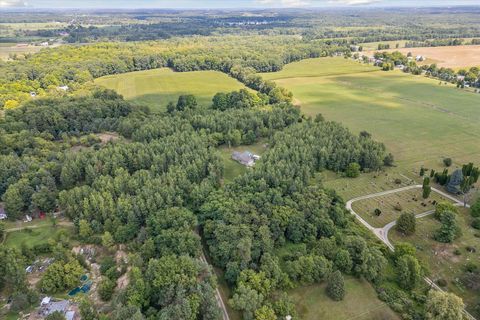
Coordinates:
x,y
442,259
31,237
410,201
360,303
419,120
156,88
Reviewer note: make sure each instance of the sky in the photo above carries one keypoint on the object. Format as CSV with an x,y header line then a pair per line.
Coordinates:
x,y
132,4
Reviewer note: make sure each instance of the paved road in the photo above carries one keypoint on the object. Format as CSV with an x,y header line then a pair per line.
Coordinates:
x,y
382,233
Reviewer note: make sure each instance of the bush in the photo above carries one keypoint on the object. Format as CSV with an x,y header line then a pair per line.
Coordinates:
x,y
475,209
398,207
476,223
353,170
336,286
447,162
106,289
442,283
388,160
398,181
406,223
377,212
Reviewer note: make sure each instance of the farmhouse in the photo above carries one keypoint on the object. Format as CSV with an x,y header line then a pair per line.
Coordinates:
x,y
246,158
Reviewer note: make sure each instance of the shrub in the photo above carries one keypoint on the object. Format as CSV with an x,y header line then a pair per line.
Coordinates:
x,y
377,212
406,223
457,252
398,207
443,207
388,160
106,289
336,286
447,162
398,181
471,267
471,249
475,209
476,223
353,170
442,283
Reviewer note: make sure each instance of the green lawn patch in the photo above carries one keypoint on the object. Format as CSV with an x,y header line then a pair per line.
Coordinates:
x,y
360,303
156,88
31,237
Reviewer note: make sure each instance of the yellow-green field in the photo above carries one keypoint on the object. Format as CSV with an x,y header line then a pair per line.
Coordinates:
x,y
360,303
440,258
156,88
410,201
12,49
420,121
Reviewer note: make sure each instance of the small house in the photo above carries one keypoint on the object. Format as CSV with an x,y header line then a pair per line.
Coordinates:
x,y
246,158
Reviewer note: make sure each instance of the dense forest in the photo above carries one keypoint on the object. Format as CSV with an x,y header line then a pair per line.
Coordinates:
x,y
156,190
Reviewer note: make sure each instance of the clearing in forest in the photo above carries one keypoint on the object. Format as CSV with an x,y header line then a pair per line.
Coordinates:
x,y
156,88
419,120
360,303
394,204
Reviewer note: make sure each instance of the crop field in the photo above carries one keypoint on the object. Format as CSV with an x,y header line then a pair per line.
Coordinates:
x,y
319,67
373,46
360,303
420,121
443,260
410,201
11,49
156,88
450,57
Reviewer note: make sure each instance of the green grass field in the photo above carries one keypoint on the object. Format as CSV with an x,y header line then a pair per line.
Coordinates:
x,y
156,88
387,203
360,303
31,237
440,258
420,121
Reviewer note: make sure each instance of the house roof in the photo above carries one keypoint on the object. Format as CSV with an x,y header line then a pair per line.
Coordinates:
x,y
60,306
244,157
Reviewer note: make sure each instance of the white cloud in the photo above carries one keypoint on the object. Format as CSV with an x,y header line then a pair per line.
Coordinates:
x,y
285,3
12,3
354,2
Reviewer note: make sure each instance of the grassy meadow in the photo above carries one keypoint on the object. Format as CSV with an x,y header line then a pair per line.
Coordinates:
x,y
156,88
420,121
360,303
443,260
410,201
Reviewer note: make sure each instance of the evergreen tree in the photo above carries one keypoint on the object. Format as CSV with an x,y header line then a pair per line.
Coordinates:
x,y
336,286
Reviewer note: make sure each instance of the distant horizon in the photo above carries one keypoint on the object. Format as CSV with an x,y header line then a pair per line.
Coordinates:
x,y
219,5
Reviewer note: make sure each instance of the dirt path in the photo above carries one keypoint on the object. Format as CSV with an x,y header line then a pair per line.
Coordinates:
x,y
60,223
218,296
382,233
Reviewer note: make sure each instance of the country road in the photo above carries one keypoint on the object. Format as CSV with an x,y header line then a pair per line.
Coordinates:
x,y
382,233
60,223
